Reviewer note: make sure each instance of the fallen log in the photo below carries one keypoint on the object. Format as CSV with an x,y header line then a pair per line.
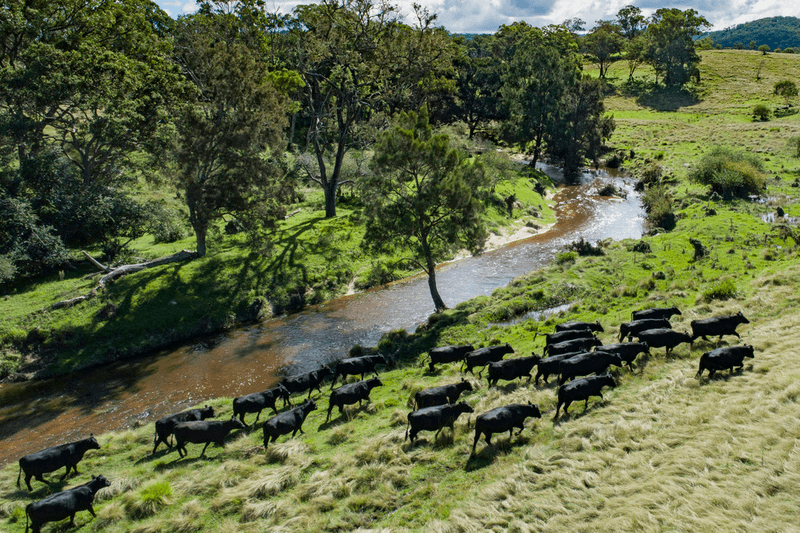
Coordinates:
x,y
123,270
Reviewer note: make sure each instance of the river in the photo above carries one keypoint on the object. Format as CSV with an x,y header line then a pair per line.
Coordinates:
x,y
39,414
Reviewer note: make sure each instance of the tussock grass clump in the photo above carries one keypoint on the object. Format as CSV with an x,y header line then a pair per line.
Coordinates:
x,y
722,290
730,172
149,500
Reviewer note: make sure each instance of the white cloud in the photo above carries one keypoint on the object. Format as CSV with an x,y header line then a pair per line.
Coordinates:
x,y
486,16
190,7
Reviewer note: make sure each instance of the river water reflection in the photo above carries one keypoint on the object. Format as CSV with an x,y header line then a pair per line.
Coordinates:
x,y
36,415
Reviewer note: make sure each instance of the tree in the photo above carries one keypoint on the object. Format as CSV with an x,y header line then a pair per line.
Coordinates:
x,y
631,22
478,83
539,68
787,89
581,127
603,43
424,196
228,135
752,45
670,45
343,56
635,54
764,49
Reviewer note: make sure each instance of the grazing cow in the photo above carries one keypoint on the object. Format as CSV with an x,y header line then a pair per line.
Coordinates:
x,y
448,354
656,312
720,325
510,369
550,365
358,365
502,419
204,432
575,345
727,357
484,356
630,329
435,418
258,401
594,326
663,338
64,504
566,335
585,364
441,395
288,421
305,382
351,393
51,459
582,389
166,426
626,351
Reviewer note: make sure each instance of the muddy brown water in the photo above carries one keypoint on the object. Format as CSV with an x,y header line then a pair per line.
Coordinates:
x,y
39,414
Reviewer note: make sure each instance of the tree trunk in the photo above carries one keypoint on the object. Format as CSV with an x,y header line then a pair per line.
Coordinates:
x,y
200,231
330,199
438,303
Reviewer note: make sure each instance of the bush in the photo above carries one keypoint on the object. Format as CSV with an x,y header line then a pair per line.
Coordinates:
x,y
730,172
584,248
566,257
761,112
723,290
794,146
658,205
165,224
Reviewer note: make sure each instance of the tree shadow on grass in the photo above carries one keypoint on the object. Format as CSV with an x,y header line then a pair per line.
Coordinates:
x,y
658,97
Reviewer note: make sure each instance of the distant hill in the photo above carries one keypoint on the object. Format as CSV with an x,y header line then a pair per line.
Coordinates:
x,y
775,32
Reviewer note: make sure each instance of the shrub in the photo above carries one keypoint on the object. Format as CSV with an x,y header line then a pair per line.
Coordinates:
x,y
764,48
730,172
658,205
584,248
794,146
789,50
150,500
786,88
722,290
761,112
566,257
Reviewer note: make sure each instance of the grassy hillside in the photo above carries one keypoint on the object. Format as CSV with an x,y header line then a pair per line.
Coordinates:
x,y
662,451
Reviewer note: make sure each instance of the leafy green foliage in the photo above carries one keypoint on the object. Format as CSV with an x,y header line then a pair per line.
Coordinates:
x,y
424,196
670,46
730,172
658,204
761,112
723,290
603,43
787,89
773,32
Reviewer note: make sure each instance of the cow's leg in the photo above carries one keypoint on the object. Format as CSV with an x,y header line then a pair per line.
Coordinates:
x,y
72,520
65,473
475,442
91,510
204,449
28,480
566,406
488,438
258,415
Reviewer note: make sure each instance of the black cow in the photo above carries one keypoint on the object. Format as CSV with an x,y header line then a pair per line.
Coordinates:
x,y
656,312
566,335
305,382
594,326
663,338
204,432
64,504
355,366
166,426
433,418
441,395
288,421
626,351
502,419
510,369
721,325
258,401
585,364
630,329
484,356
725,358
582,389
351,393
550,365
51,459
575,345
448,354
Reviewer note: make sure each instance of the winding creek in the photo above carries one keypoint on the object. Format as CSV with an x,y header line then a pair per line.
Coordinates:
x,y
36,415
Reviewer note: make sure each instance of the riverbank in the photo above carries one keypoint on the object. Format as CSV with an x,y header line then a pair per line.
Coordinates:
x,y
313,259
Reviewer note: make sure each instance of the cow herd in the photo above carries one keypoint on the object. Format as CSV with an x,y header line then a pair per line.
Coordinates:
x,y
573,353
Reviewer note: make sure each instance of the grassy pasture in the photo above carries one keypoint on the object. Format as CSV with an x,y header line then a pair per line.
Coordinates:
x,y
663,451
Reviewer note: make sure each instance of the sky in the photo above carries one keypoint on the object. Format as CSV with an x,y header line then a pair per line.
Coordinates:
x,y
485,16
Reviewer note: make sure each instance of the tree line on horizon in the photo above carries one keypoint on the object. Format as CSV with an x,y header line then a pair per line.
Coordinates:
x,y
232,106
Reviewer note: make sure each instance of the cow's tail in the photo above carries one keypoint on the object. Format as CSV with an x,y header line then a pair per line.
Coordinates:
x,y
19,475
408,425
